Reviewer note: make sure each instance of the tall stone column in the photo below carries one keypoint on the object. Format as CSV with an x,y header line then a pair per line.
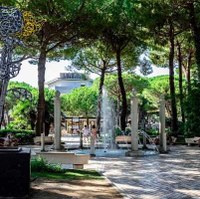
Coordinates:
x,y
92,145
134,122
57,121
42,142
163,140
134,127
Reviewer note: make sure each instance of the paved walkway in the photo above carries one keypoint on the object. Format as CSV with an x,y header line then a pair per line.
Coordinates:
x,y
171,176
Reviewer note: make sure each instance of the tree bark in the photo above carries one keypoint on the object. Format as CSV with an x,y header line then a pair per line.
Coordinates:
x,y
118,122
189,63
98,119
122,89
174,122
2,118
41,99
196,34
180,81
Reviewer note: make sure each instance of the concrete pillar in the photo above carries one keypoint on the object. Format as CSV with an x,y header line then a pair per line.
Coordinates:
x,y
163,140
134,122
42,142
92,145
144,139
57,121
43,138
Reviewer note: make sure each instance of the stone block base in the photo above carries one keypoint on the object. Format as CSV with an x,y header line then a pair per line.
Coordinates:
x,y
78,166
140,153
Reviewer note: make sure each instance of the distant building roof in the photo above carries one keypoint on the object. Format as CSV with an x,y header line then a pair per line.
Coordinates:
x,y
68,81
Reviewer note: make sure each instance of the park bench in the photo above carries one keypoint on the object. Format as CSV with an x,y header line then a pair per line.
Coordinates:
x,y
192,141
123,139
57,157
47,140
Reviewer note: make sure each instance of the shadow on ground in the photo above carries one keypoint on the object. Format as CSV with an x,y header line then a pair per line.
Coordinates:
x,y
63,189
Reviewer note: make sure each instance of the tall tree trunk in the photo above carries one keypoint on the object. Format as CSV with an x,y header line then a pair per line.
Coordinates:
x,y
118,120
174,123
196,34
186,69
180,81
87,120
2,122
47,128
98,119
122,89
41,99
189,63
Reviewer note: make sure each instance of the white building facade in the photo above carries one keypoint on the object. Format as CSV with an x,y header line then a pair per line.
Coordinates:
x,y
69,81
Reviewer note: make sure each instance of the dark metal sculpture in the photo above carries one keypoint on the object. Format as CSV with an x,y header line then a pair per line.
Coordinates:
x,y
11,23
20,93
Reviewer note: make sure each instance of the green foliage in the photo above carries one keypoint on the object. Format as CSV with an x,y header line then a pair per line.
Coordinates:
x,y
94,59
121,25
119,132
157,86
22,113
69,175
131,81
23,136
41,168
193,112
41,165
152,132
80,102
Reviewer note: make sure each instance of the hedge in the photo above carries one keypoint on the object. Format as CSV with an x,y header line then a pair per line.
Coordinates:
x,y
23,136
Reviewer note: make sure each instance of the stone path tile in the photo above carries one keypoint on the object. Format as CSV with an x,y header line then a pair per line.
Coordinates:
x,y
171,176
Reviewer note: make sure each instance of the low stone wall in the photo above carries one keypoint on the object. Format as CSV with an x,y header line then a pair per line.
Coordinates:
x,y
122,139
77,160
47,140
190,141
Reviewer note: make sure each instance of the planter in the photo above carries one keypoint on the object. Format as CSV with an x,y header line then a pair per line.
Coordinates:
x,y
14,172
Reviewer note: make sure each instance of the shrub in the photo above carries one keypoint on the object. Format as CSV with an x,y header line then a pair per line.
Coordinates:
x,y
118,131
23,136
41,165
192,108
152,132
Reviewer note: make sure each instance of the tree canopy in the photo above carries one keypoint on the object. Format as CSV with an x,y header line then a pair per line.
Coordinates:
x,y
114,35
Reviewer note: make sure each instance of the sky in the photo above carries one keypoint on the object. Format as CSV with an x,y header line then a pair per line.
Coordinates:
x,y
29,74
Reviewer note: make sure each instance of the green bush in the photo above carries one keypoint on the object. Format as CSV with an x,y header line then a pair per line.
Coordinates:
x,y
23,136
41,165
119,132
152,132
192,107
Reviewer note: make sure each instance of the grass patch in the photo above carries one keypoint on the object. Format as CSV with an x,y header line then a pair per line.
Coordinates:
x,y
41,168
68,174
